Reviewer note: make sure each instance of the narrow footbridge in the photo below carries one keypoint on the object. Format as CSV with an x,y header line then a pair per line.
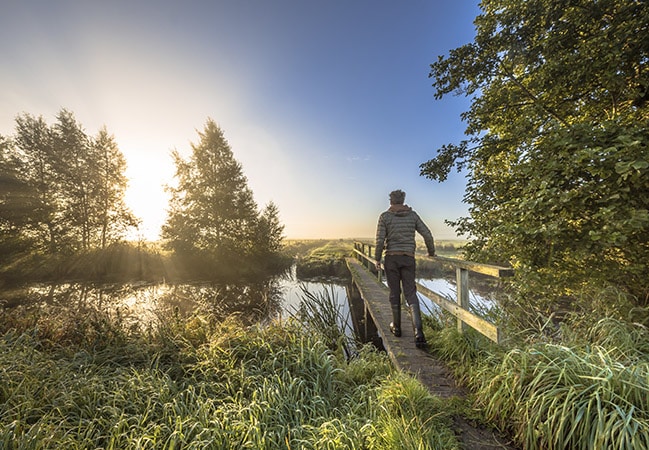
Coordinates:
x,y
370,309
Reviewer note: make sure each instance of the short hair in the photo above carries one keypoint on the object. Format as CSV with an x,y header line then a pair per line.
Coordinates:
x,y
397,197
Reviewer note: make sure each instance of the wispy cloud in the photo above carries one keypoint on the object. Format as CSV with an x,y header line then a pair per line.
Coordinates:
x,y
356,158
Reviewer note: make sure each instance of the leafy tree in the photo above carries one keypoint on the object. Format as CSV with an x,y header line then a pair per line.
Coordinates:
x,y
74,185
76,171
269,233
113,216
212,212
16,204
557,144
34,148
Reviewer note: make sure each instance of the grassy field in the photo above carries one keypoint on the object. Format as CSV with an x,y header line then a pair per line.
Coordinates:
x,y
91,380
193,382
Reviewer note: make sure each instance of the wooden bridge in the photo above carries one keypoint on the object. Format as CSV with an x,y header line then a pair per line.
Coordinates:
x,y
370,309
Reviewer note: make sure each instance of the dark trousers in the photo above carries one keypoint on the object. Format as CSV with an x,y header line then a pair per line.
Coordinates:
x,y
400,271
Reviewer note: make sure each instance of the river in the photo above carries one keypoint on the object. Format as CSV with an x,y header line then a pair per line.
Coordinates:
x,y
140,303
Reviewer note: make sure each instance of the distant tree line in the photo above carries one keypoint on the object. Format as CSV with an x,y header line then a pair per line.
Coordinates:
x,y
62,193
61,190
557,150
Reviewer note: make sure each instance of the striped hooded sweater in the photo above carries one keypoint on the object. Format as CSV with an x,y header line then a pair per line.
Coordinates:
x,y
395,232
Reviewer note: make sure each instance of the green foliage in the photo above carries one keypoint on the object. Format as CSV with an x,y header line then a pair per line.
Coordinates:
x,y
213,219
16,203
323,258
201,383
118,262
410,418
560,397
449,248
557,149
322,311
298,247
590,390
63,190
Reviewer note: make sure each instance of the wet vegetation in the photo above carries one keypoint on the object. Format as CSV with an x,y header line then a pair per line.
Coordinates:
x,y
91,380
581,383
577,382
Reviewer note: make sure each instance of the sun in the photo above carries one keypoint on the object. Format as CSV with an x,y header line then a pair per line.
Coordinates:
x,y
146,196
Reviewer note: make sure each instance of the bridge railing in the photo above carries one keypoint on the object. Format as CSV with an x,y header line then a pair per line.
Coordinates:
x,y
461,307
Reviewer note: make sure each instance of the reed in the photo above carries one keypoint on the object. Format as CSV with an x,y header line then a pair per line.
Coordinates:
x,y
322,312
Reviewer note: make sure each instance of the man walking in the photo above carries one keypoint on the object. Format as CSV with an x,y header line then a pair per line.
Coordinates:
x,y
395,233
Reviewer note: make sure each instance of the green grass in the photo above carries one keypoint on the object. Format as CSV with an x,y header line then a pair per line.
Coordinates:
x,y
196,382
589,393
91,379
322,258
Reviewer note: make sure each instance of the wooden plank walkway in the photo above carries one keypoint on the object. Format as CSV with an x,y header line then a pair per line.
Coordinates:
x,y
402,350
406,357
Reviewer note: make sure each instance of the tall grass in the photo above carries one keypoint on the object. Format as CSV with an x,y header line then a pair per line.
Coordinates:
x,y
407,414
198,382
592,394
321,311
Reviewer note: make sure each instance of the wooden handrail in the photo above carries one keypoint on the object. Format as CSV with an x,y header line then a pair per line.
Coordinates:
x,y
485,269
460,308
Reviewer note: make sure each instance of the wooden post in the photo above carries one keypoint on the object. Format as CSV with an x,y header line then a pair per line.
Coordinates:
x,y
462,277
357,311
370,327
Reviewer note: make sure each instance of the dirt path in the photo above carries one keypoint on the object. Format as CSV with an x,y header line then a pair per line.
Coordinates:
x,y
440,382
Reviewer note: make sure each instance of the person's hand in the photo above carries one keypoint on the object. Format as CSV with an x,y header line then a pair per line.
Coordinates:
x,y
378,264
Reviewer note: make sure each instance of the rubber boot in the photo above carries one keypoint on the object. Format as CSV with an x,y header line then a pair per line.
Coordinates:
x,y
395,325
420,339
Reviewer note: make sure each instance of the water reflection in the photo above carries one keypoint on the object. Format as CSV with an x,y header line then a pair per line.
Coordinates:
x,y
481,296
144,303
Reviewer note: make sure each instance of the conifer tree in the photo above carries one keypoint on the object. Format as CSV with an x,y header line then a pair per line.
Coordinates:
x,y
212,212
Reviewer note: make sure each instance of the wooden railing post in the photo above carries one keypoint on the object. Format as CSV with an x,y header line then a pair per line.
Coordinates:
x,y
462,280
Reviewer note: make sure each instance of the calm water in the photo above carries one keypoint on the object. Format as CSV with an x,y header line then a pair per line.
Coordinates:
x,y
481,303
145,303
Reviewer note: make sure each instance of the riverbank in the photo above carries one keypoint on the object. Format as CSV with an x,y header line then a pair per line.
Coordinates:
x,y
201,383
136,262
149,262
66,372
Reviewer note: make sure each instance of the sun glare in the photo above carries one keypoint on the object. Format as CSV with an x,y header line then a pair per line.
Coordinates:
x,y
146,196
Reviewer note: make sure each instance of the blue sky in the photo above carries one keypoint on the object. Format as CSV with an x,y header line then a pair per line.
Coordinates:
x,y
326,104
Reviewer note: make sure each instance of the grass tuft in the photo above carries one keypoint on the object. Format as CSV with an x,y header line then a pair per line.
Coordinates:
x,y
593,393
